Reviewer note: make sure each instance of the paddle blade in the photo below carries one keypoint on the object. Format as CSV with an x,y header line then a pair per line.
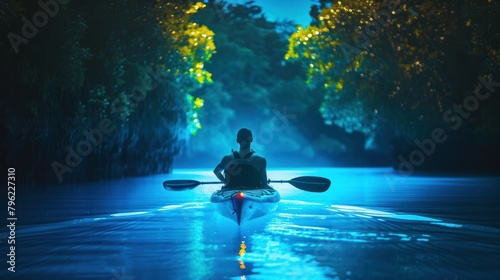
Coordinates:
x,y
311,183
180,185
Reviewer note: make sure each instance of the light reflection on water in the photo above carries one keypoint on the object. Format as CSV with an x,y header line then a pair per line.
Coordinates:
x,y
362,228
300,241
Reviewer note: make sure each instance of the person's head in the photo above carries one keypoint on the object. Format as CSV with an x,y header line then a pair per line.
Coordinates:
x,y
244,138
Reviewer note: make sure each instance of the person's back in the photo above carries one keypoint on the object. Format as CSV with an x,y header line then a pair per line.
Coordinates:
x,y
243,169
246,171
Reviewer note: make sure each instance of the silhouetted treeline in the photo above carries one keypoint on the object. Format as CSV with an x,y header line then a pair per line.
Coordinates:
x,y
96,90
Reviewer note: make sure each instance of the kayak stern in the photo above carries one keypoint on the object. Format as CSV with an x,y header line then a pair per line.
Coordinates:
x,y
244,205
238,200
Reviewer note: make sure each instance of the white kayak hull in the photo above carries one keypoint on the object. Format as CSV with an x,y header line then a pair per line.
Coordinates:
x,y
245,205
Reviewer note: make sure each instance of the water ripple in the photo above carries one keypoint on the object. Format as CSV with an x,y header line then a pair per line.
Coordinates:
x,y
300,241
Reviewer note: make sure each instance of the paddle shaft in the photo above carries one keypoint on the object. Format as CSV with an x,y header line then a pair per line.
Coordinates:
x,y
306,183
268,181
210,183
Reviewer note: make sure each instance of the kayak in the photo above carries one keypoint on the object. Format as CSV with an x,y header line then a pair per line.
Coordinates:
x,y
242,205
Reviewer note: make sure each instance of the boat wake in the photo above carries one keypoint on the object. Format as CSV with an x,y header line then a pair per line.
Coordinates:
x,y
351,242
300,240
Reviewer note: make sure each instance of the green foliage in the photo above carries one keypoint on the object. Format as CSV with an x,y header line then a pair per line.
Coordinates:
x,y
216,115
383,64
251,82
99,99
87,63
189,43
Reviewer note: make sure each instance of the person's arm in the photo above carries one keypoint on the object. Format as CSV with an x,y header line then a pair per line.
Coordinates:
x,y
220,176
219,169
263,173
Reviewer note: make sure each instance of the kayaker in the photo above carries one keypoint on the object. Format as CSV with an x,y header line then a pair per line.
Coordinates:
x,y
244,168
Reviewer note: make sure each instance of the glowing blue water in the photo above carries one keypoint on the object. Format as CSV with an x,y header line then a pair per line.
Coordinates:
x,y
367,226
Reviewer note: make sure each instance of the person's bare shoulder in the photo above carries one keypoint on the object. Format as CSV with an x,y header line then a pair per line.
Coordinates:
x,y
258,157
227,158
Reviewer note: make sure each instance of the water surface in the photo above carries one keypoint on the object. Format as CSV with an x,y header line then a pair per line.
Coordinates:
x,y
369,225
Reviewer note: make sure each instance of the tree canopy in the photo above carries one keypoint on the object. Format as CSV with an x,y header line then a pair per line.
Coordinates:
x,y
97,90
134,64
405,63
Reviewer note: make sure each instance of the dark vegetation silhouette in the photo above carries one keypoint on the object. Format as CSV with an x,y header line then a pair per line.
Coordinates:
x,y
207,71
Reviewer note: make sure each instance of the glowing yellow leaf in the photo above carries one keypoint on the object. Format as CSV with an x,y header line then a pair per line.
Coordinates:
x,y
339,85
198,103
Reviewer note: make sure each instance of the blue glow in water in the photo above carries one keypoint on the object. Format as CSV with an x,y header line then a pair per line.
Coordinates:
x,y
362,227
128,214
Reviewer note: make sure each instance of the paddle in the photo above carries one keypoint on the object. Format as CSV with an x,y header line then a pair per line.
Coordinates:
x,y
308,183
305,183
